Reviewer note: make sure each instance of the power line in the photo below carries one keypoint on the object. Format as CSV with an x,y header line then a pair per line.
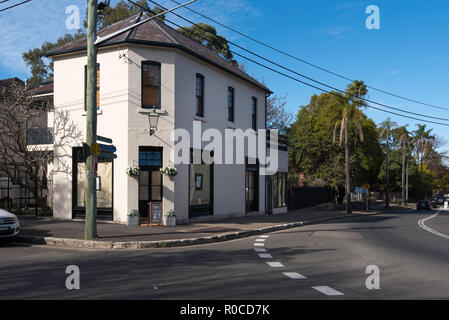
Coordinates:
x,y
335,94
279,65
309,63
15,5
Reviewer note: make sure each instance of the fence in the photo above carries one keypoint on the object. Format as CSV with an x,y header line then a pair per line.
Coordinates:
x,y
303,197
14,196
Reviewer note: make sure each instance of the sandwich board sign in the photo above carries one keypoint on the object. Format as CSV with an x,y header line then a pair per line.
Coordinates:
x,y
155,214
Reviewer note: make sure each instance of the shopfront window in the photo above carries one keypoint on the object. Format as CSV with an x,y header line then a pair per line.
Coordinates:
x,y
104,185
200,189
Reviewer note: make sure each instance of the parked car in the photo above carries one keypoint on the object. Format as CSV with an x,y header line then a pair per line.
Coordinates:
x,y
424,204
439,198
9,224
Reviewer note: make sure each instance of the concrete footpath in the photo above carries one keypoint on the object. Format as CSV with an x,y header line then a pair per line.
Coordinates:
x,y
119,236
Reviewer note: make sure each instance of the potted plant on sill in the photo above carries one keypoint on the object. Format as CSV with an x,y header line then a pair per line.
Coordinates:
x,y
133,218
170,219
133,171
168,171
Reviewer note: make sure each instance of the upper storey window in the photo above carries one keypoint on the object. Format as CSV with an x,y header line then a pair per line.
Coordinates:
x,y
151,85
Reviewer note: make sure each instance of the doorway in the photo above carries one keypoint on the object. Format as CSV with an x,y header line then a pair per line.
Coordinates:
x,y
252,187
150,178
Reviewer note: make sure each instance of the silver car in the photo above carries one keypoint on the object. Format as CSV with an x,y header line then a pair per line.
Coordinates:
x,y
9,224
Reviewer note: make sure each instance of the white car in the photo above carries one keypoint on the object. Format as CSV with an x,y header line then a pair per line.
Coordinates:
x,y
9,224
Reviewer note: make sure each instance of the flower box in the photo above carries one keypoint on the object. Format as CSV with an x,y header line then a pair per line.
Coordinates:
x,y
169,219
132,220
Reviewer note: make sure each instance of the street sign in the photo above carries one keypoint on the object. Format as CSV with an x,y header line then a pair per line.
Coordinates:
x,y
94,148
107,148
103,139
107,156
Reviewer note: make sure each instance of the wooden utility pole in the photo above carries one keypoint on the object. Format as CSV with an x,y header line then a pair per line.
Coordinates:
x,y
387,162
404,143
91,121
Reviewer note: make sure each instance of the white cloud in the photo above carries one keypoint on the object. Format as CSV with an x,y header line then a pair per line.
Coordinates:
x,y
335,31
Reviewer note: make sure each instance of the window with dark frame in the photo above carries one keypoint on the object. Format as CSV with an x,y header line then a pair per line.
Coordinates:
x,y
254,113
199,95
85,87
105,193
230,104
151,85
150,178
201,182
280,189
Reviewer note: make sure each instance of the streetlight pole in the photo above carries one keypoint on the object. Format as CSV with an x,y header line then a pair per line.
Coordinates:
x,y
91,121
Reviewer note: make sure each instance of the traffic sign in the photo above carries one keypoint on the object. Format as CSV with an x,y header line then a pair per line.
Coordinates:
x,y
107,156
94,148
107,148
103,139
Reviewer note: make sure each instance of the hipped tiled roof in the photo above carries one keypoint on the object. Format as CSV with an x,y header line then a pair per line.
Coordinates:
x,y
157,33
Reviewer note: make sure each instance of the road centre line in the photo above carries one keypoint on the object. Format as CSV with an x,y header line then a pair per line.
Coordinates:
x,y
266,256
424,227
328,291
294,275
275,264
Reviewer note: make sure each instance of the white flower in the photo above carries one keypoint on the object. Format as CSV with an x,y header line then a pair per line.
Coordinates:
x,y
169,171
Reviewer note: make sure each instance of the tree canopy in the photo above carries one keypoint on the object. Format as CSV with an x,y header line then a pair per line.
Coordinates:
x,y
207,36
312,149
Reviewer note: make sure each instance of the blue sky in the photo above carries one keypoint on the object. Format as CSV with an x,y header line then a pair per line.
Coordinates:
x,y
407,56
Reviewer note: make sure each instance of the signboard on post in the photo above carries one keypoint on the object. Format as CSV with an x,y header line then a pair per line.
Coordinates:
x,y
94,148
155,213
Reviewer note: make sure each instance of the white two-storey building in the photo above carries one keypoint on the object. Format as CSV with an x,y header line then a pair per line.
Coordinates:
x,y
154,67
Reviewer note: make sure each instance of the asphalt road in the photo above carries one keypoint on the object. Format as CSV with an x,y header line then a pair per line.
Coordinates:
x,y
324,261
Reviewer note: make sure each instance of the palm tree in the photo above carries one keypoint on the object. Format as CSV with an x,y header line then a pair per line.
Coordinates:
x,y
422,142
385,133
403,137
350,116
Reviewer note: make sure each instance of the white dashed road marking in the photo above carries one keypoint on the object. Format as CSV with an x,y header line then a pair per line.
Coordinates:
x,y
275,264
423,226
294,275
328,291
259,242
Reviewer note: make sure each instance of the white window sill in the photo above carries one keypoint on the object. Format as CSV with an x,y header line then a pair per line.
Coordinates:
x,y
230,125
99,112
198,118
148,111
